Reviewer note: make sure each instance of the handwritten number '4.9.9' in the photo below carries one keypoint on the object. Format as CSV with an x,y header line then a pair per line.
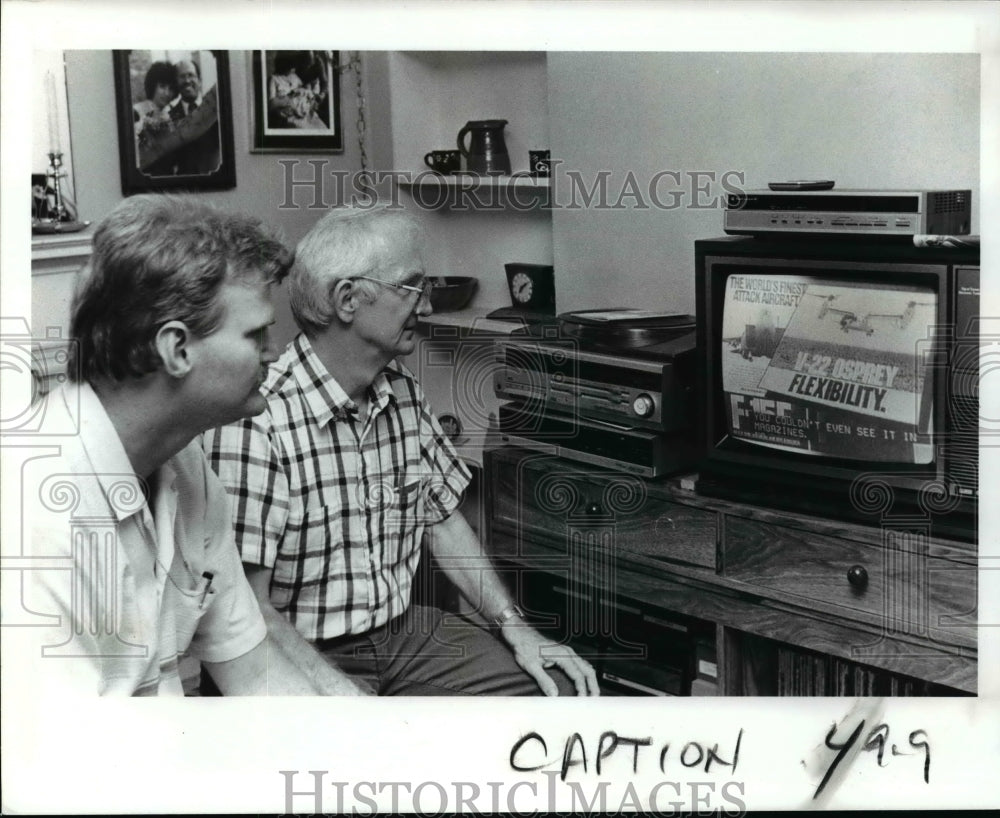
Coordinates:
x,y
876,740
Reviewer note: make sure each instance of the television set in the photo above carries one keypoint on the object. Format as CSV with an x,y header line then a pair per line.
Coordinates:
x,y
840,378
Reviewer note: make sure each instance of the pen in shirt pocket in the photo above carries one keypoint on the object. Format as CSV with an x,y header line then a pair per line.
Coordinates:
x,y
208,577
408,491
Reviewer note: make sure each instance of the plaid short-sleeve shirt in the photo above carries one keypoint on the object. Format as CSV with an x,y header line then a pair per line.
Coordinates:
x,y
334,505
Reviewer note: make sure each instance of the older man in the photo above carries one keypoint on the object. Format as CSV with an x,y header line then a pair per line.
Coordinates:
x,y
137,563
203,155
336,485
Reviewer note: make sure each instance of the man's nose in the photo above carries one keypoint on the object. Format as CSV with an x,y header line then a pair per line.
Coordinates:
x,y
424,306
269,350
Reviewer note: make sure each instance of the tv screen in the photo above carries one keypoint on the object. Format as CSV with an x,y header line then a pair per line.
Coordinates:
x,y
829,368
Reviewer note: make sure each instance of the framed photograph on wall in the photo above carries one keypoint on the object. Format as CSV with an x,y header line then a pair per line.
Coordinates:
x,y
296,102
175,122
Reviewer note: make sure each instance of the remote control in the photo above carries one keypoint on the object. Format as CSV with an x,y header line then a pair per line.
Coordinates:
x,y
802,184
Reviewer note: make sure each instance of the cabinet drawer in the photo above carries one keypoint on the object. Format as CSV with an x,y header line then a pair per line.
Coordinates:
x,y
547,500
904,585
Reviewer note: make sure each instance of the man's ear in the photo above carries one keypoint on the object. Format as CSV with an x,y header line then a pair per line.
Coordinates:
x,y
345,299
173,343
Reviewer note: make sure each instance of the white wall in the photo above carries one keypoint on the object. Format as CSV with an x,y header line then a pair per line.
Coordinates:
x,y
49,116
864,120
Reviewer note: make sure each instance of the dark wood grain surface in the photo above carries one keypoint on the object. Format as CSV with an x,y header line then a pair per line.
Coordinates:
x,y
747,570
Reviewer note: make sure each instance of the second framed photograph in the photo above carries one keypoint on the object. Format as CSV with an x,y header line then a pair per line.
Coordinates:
x,y
175,123
296,101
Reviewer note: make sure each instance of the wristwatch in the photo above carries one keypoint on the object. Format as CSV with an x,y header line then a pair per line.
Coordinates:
x,y
507,614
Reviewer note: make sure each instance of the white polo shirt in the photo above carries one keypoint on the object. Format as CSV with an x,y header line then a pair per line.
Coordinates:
x,y
134,583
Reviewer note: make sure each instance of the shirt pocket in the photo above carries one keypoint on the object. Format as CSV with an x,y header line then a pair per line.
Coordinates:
x,y
189,608
407,509
402,519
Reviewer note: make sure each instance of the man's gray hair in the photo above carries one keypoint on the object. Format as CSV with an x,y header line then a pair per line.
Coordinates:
x,y
346,243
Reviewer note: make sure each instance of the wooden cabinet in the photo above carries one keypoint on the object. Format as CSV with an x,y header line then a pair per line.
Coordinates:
x,y
794,604
576,504
894,582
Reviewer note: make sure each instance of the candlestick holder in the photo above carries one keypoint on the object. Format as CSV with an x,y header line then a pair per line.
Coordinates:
x,y
56,173
61,216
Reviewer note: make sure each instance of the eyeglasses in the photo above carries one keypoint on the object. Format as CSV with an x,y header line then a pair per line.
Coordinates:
x,y
423,291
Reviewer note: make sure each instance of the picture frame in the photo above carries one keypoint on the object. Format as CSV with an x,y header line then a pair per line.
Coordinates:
x,y
175,122
295,105
42,206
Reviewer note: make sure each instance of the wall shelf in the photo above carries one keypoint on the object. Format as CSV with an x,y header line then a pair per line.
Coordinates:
x,y
434,93
470,191
431,95
474,181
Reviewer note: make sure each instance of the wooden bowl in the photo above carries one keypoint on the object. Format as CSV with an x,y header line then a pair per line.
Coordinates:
x,y
452,292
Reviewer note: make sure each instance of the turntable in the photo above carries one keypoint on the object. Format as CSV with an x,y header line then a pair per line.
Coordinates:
x,y
615,330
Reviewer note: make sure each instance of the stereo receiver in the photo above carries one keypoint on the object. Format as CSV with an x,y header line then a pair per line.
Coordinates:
x,y
903,213
648,388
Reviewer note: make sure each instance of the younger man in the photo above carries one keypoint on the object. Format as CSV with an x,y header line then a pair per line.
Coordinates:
x,y
138,564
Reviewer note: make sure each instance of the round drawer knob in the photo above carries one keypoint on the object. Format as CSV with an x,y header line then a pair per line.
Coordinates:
x,y
643,405
593,509
857,576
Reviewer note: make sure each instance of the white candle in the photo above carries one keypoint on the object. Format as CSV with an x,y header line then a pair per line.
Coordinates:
x,y
50,93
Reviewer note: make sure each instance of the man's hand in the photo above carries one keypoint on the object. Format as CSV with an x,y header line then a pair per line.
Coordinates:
x,y
468,566
533,652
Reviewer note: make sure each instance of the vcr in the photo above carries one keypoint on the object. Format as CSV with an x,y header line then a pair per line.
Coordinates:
x,y
903,213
